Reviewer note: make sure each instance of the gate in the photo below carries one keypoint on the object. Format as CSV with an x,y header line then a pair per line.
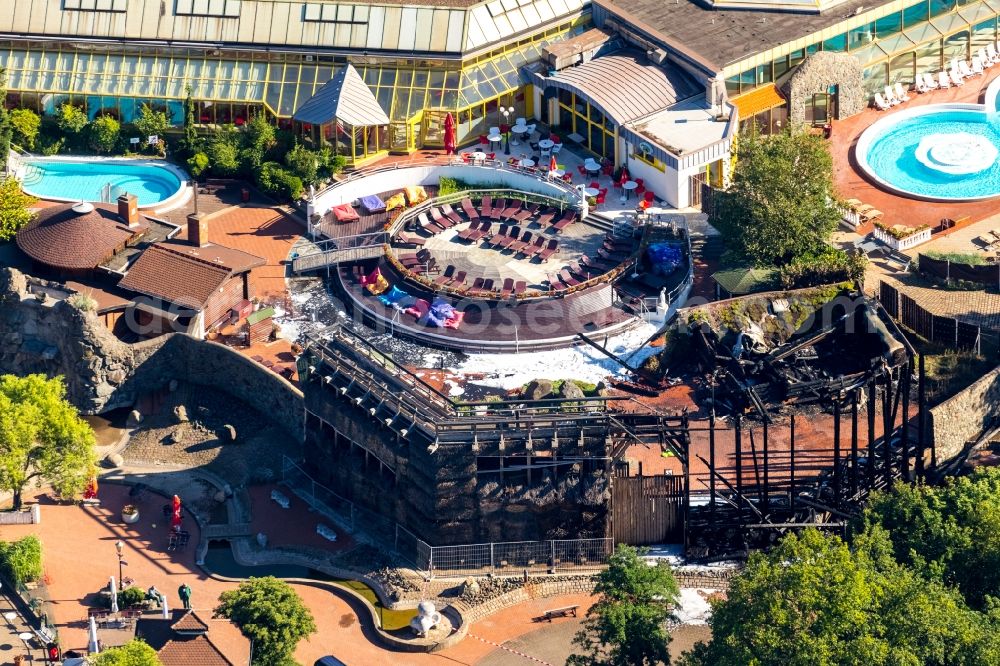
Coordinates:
x,y
696,184
647,509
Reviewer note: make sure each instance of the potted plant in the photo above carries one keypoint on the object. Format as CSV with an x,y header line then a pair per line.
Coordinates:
x,y
130,514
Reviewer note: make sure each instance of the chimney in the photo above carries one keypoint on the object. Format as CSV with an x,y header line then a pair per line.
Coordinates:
x,y
197,230
128,210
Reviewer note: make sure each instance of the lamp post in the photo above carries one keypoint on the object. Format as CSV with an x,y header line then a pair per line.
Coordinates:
x,y
120,550
506,111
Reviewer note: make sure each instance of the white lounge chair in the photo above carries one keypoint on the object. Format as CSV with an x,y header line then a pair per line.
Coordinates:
x,y
956,76
977,65
984,58
965,69
881,104
901,92
930,81
890,96
919,85
944,81
991,53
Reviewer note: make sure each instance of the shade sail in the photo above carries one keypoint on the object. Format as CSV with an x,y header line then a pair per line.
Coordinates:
x,y
345,97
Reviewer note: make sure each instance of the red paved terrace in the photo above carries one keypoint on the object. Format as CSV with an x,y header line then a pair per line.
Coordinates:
x,y
851,183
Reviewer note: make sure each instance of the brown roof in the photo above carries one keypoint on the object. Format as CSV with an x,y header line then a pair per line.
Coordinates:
x,y
61,238
235,260
176,278
190,622
188,650
184,649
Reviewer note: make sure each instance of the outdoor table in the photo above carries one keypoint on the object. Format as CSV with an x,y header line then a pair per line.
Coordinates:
x,y
628,186
592,167
517,130
479,156
591,191
546,144
527,163
494,138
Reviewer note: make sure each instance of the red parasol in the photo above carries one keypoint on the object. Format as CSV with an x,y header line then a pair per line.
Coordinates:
x,y
624,177
553,165
175,519
449,134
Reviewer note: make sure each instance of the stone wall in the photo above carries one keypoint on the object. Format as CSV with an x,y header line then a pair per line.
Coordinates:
x,y
52,337
964,416
816,75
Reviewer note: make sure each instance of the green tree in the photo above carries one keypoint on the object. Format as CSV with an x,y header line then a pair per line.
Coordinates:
x,y
42,437
812,601
780,204
224,156
134,653
190,142
14,204
949,533
269,613
25,124
6,129
628,624
103,133
151,122
71,119
197,164
259,137
304,163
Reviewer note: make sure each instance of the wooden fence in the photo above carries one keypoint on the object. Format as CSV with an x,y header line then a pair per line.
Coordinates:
x,y
987,275
946,331
647,509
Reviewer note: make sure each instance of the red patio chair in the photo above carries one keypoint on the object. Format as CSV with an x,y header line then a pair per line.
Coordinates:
x,y
491,156
483,140
594,184
583,172
508,286
649,195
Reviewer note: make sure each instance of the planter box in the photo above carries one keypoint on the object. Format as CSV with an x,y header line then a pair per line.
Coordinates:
x,y
906,243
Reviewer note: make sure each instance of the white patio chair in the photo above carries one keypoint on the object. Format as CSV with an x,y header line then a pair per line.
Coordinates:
x,y
880,103
520,121
556,148
901,92
956,75
919,85
984,58
977,65
890,96
991,53
930,81
965,68
944,81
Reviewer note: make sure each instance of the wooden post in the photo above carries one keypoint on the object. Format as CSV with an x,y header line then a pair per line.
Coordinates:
x,y
836,450
711,460
791,463
870,475
739,462
767,464
854,443
905,428
888,423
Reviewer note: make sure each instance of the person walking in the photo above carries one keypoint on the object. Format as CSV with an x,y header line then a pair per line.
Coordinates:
x,y
184,592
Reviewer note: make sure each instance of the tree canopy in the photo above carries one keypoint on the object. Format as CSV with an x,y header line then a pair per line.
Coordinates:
x,y
42,437
628,624
150,122
14,204
268,612
25,125
104,132
134,653
779,206
813,601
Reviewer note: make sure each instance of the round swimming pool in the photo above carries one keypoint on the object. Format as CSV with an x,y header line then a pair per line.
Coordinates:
x,y
100,180
938,152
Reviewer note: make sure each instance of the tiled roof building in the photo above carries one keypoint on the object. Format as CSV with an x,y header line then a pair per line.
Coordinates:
x,y
185,639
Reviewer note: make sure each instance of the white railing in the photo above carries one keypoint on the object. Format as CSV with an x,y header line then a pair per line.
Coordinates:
x,y
899,244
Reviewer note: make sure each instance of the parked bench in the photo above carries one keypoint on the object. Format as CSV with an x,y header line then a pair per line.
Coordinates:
x,y
565,611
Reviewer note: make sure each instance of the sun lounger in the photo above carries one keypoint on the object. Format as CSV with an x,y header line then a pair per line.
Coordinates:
x,y
488,286
459,281
944,81
498,236
419,257
568,218
466,234
919,85
486,206
986,241
477,284
567,278
512,209
483,230
520,287
536,246
512,238
518,246
450,213
963,67
440,220
555,284
469,210
409,239
546,218
991,53
526,212
549,250
446,277
880,103
498,209
614,257
508,286
901,92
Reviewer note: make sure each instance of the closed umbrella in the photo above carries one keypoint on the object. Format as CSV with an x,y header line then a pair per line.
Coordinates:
x,y
92,645
114,594
163,602
553,165
449,134
175,519
624,177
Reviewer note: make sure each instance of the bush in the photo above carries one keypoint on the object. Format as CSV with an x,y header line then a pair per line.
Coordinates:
x,y
448,186
826,268
151,122
958,257
103,134
304,163
329,163
197,164
223,156
130,596
70,119
83,302
280,183
26,125
21,560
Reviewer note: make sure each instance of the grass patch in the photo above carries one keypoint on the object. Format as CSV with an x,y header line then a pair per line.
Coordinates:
x,y
970,258
947,371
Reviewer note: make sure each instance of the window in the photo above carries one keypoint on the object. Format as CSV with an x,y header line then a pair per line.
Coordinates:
x,y
96,5
220,8
838,43
888,25
314,12
915,14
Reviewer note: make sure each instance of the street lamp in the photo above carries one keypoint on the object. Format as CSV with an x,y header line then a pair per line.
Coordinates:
x,y
506,111
120,549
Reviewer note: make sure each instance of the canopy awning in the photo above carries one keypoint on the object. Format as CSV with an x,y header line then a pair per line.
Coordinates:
x,y
345,97
755,101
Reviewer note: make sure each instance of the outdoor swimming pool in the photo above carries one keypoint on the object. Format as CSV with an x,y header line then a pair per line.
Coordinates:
x,y
939,152
103,180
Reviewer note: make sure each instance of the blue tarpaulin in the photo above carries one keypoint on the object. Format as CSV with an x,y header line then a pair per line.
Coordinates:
x,y
664,258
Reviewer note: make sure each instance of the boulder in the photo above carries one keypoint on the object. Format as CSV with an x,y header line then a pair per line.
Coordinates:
x,y
227,433
219,497
470,587
134,419
176,436
181,414
116,376
538,389
116,460
570,390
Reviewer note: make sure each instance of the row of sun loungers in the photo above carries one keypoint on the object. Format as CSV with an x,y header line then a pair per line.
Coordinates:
x,y
442,218
989,239
954,75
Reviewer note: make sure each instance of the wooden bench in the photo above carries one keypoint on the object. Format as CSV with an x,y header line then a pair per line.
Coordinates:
x,y
565,611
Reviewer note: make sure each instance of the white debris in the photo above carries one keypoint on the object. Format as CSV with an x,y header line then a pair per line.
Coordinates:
x,y
693,606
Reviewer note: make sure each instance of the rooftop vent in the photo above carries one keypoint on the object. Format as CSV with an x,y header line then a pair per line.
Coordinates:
x,y
83,208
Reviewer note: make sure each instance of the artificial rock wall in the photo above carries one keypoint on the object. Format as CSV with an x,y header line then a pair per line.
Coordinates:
x,y
820,71
102,373
963,417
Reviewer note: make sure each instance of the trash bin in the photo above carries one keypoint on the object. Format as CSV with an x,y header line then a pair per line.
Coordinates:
x,y
245,195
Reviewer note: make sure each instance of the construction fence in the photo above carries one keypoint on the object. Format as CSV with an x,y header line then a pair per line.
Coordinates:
x,y
947,331
987,275
477,559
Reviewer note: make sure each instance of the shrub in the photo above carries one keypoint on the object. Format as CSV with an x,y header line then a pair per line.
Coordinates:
x,y
329,163
26,125
130,596
197,164
71,119
448,186
83,302
21,560
224,157
304,163
958,257
151,122
103,134
826,268
14,212
280,183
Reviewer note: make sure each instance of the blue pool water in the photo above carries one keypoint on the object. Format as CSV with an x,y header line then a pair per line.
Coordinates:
x,y
84,181
893,156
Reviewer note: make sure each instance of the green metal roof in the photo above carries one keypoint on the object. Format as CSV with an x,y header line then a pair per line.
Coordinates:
x,y
259,316
741,281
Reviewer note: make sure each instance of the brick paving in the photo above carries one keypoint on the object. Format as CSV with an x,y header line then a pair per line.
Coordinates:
x,y
901,210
